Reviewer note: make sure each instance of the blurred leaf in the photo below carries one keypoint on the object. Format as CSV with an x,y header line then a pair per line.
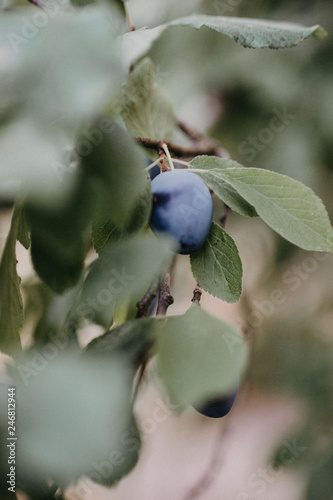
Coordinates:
x,y
58,240
23,233
104,231
287,206
123,272
11,306
223,190
199,356
253,33
217,266
115,165
320,485
145,109
52,91
75,417
132,339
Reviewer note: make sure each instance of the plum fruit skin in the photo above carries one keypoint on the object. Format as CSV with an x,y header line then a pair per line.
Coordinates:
x,y
182,208
219,407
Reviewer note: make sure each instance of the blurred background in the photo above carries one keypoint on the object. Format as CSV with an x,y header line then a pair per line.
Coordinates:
x,y
269,109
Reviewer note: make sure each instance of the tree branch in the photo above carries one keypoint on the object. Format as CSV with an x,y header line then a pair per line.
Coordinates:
x,y
145,303
37,3
197,294
224,217
202,147
165,299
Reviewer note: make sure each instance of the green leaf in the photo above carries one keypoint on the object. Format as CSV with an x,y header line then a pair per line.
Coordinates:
x,y
132,339
286,205
104,231
122,272
23,233
145,109
200,357
59,241
222,189
253,33
75,418
11,306
115,165
217,266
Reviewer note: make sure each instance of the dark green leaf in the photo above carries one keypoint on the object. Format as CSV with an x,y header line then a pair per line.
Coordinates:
x,y
199,356
320,485
105,231
145,108
218,267
23,233
123,272
222,189
115,165
11,306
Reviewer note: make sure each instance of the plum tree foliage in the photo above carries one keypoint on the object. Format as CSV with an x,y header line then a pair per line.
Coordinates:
x,y
82,109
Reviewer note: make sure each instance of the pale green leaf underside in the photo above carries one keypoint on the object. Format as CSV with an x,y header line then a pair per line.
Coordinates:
x,y
222,189
199,356
218,267
145,109
251,33
293,210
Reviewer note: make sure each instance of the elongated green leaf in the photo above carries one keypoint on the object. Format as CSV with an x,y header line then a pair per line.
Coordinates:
x,y
287,206
104,231
222,189
253,33
144,107
199,356
123,272
218,267
11,306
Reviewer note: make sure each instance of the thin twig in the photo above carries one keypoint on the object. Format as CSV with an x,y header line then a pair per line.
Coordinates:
x,y
165,299
37,3
189,131
212,470
200,148
145,303
128,17
197,294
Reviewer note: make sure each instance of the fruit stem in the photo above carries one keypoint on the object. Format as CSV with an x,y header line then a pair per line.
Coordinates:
x,y
182,162
158,161
167,152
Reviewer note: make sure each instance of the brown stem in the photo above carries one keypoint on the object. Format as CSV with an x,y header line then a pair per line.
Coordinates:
x,y
165,299
189,131
37,3
204,147
197,294
147,300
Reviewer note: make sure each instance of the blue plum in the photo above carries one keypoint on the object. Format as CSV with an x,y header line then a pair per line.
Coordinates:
x,y
219,407
182,208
